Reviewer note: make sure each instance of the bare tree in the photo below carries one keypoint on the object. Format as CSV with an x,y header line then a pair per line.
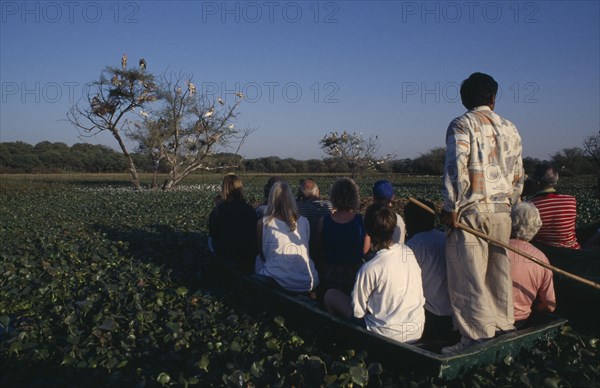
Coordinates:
x,y
187,128
148,137
353,150
109,104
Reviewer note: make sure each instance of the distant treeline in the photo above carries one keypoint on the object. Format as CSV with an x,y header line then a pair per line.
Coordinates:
x,y
48,157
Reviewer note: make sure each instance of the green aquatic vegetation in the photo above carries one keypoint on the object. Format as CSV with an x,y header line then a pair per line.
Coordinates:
x,y
111,286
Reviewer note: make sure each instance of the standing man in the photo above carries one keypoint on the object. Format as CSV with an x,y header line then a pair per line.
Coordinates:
x,y
483,178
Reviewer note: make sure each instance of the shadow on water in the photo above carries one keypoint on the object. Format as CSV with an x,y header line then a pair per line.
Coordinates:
x,y
174,250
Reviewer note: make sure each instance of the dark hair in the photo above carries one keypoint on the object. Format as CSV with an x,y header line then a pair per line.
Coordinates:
x,y
380,223
344,194
418,219
545,175
477,90
272,180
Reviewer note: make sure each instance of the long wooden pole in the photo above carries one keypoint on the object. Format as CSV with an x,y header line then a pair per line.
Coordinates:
x,y
507,246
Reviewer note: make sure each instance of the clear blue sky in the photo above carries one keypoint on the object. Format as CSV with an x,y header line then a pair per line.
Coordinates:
x,y
390,68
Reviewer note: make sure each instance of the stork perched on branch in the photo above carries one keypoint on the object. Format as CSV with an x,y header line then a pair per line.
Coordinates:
x,y
96,101
124,61
210,112
142,64
191,88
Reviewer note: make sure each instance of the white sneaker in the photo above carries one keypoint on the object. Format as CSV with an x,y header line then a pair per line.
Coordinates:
x,y
459,347
456,348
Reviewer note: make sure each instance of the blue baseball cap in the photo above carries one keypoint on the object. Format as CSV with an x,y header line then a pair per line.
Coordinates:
x,y
383,190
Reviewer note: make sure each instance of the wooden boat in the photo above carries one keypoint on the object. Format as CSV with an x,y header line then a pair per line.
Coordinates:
x,y
574,299
301,311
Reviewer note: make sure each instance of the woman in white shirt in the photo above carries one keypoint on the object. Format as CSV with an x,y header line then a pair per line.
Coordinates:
x,y
283,237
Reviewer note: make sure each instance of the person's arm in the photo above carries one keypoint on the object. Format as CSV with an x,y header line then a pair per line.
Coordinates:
x,y
360,294
544,306
546,298
367,238
401,225
212,224
519,175
367,244
259,238
305,227
456,174
319,241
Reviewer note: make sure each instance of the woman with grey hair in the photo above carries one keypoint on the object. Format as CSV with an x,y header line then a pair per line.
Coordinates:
x,y
533,288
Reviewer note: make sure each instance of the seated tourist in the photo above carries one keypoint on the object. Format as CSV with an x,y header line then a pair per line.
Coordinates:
x,y
388,295
232,225
343,241
311,206
558,211
533,287
260,209
383,192
429,246
283,237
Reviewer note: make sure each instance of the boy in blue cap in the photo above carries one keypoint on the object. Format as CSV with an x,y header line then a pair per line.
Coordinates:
x,y
383,192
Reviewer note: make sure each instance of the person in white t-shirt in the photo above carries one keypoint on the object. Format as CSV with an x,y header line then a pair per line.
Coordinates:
x,y
388,294
283,238
429,246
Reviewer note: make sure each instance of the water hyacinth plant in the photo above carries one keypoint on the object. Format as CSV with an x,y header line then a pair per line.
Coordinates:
x,y
114,286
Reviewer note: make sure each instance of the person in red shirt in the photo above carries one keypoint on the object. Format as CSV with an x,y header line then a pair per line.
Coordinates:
x,y
558,211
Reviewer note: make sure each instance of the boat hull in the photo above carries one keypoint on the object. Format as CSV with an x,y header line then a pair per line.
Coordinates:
x,y
301,311
574,300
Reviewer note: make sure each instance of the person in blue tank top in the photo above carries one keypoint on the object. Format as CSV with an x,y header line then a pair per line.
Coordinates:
x,y
343,241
